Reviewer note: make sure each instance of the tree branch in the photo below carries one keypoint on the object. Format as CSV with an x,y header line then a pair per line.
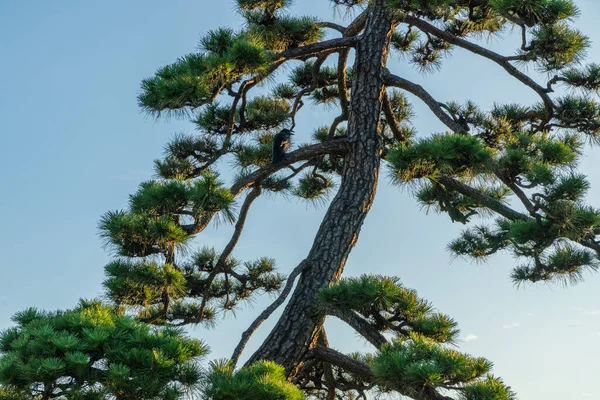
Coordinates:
x,y
334,357
391,118
315,48
239,227
482,198
337,146
332,25
361,326
490,55
266,313
417,90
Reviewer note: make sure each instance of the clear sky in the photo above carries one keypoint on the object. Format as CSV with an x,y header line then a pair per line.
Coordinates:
x,y
74,145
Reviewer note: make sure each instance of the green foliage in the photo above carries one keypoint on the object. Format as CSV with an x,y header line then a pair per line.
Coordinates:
x,y
256,153
404,41
152,224
587,78
214,118
164,293
94,352
479,242
459,207
533,12
178,85
260,113
140,235
379,298
456,155
283,32
196,79
143,283
414,364
545,242
401,108
565,263
490,388
284,91
186,157
263,4
264,113
313,187
579,114
263,380
557,46
304,75
217,41
248,56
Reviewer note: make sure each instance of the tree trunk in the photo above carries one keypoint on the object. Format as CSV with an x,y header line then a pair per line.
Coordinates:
x,y
297,330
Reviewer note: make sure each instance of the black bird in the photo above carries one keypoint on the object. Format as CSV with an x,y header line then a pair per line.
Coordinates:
x,y
281,143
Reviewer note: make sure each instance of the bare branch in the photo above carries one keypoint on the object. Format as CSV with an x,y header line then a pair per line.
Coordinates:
x,y
490,55
417,90
332,25
239,227
391,118
267,312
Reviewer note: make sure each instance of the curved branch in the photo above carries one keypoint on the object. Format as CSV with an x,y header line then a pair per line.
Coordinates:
x,y
362,370
337,146
361,326
266,313
482,198
332,25
482,51
391,118
336,358
357,25
239,227
417,90
313,86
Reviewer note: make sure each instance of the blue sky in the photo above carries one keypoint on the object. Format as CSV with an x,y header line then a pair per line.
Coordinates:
x,y
75,144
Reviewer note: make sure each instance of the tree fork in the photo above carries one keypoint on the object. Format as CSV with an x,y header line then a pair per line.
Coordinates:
x,y
297,329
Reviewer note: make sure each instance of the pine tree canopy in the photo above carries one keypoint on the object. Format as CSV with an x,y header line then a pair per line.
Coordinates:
x,y
508,174
95,352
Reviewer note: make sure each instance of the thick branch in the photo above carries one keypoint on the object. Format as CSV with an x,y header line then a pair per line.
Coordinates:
x,y
482,198
316,48
360,326
341,360
357,25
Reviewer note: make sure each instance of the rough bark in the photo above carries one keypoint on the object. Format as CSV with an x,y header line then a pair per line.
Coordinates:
x,y
297,330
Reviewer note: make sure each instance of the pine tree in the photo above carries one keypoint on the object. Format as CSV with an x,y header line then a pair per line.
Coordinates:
x,y
514,162
95,352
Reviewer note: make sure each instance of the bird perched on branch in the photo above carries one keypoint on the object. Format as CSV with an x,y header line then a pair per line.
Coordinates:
x,y
281,143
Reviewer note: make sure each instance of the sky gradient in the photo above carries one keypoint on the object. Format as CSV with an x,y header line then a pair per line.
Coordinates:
x,y
75,145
